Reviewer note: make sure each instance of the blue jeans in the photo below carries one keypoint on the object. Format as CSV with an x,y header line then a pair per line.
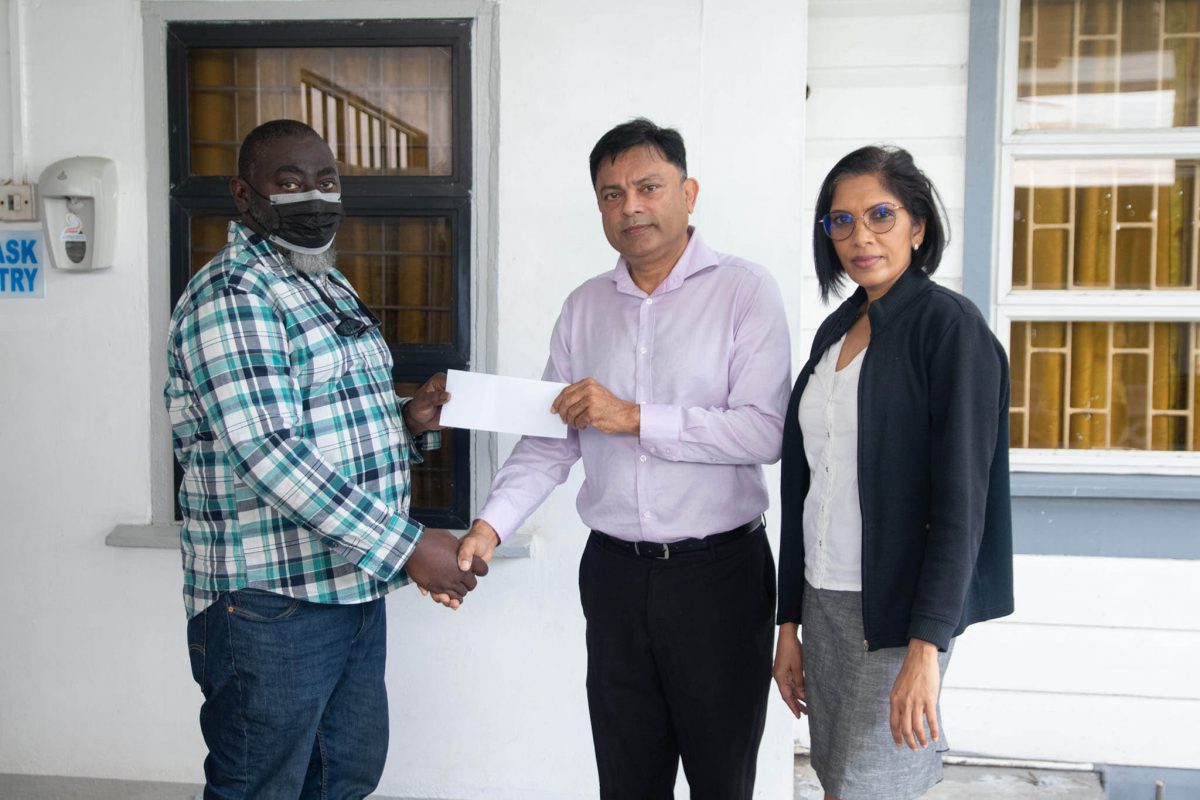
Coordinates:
x,y
294,698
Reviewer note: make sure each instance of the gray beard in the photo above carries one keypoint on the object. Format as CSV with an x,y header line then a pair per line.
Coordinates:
x,y
317,265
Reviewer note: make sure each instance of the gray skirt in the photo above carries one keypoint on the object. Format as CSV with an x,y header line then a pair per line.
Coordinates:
x,y
852,749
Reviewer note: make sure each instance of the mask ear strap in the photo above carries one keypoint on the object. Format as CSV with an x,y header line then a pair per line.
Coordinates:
x,y
270,230
253,188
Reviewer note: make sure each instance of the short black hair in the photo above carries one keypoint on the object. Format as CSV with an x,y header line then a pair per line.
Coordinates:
x,y
894,168
267,134
634,133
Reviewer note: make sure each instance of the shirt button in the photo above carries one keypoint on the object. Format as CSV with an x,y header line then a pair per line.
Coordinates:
x,y
649,301
646,515
643,351
642,459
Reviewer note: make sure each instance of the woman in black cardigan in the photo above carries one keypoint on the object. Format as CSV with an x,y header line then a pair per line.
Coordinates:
x,y
896,521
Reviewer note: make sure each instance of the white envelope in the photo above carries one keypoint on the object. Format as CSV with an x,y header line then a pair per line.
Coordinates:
x,y
497,403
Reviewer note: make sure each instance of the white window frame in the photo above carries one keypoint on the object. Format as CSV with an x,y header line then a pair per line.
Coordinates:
x,y
1079,305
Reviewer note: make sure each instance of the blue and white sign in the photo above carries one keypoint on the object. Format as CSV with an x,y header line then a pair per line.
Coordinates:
x,y
22,261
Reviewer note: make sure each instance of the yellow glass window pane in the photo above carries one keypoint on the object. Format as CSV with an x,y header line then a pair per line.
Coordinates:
x,y
1169,432
1181,16
1018,350
1131,335
1129,385
1183,54
1088,431
406,269
1047,335
1135,203
401,267
1093,237
1089,365
1046,372
1021,210
1130,401
1099,17
1176,234
1051,205
1134,258
1051,255
1172,351
1106,224
383,110
1103,64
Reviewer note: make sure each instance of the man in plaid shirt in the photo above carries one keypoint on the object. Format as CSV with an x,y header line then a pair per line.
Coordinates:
x,y
295,455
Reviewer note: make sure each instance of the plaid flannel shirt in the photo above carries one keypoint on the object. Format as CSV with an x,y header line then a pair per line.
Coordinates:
x,y
294,452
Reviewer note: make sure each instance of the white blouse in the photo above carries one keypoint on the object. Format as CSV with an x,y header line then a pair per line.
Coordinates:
x,y
832,516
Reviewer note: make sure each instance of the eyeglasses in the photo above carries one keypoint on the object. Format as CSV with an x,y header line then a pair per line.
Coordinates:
x,y
347,325
838,225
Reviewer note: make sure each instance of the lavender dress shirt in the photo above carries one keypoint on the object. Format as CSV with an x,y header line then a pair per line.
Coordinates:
x,y
707,356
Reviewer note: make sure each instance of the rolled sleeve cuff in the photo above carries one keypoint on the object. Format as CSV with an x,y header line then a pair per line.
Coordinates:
x,y
422,442
429,440
387,557
660,428
934,631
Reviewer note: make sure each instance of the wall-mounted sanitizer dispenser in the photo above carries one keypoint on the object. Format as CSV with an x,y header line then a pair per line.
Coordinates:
x,y
79,212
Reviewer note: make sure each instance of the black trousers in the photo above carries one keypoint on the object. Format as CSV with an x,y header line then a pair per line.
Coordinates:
x,y
679,666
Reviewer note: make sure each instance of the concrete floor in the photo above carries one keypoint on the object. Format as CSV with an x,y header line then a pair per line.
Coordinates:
x,y
960,783
983,783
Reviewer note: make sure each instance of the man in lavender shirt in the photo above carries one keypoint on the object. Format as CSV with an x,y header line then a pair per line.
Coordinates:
x,y
679,370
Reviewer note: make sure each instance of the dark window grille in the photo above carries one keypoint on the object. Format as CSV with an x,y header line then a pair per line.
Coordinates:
x,y
406,185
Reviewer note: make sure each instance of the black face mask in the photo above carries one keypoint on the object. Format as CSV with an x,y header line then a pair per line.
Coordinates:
x,y
305,222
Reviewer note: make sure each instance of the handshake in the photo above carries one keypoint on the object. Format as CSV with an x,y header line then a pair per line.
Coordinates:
x,y
446,567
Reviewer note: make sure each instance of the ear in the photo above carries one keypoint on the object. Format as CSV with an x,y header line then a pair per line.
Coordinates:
x,y
918,234
691,190
241,194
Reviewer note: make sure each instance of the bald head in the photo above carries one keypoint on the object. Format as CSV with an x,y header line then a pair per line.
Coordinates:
x,y
259,140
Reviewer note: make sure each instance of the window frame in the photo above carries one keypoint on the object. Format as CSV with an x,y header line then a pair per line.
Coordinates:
x,y
1009,305
449,196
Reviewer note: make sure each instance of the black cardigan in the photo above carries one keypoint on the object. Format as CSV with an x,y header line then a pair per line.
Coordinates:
x,y
933,476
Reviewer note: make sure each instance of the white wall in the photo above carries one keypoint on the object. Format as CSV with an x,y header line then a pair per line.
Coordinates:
x,y
1099,662
486,702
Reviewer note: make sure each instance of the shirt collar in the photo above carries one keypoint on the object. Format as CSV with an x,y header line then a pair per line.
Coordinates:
x,y
911,283
263,251
696,257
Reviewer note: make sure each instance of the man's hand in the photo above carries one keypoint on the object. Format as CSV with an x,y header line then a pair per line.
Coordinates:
x,y
914,696
789,669
588,403
479,543
474,548
424,411
433,566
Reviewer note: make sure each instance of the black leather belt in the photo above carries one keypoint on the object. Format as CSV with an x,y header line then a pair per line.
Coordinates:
x,y
668,549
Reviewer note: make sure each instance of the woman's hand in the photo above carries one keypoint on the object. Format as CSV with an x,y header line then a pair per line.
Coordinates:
x,y
789,669
914,696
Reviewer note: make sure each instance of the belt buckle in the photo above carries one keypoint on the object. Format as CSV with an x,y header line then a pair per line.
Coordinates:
x,y
666,551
